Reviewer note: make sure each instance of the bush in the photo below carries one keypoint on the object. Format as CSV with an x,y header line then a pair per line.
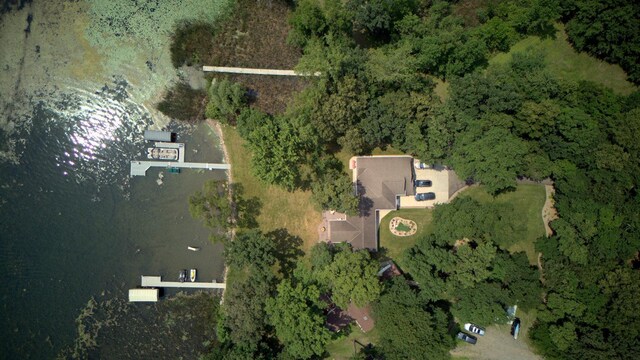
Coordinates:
x,y
226,100
181,102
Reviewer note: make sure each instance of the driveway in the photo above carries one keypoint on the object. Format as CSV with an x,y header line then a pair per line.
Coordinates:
x,y
497,344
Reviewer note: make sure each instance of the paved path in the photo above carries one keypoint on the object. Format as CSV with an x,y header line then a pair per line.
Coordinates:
x,y
237,70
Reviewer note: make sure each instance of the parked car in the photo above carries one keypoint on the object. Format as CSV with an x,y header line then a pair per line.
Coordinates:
x,y
474,329
468,338
425,196
515,328
422,183
420,165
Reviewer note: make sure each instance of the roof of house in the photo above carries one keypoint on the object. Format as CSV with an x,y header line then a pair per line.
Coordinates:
x,y
380,179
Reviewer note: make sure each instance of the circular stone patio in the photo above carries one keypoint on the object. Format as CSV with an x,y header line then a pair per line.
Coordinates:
x,y
407,227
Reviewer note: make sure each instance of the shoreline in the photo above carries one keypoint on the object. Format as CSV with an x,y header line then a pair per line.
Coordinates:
x,y
217,128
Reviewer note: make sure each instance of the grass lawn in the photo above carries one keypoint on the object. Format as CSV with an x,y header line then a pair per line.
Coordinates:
x,y
441,89
395,245
293,211
567,63
528,201
343,348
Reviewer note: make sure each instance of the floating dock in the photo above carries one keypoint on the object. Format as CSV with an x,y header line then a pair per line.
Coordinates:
x,y
156,281
139,168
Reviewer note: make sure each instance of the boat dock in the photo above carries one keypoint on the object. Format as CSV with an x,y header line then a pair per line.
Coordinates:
x,y
156,281
139,168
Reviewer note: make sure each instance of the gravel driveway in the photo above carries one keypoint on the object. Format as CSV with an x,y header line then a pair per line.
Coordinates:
x,y
497,344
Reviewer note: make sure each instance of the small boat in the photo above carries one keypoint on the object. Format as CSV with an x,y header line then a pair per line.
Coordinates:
x,y
183,275
193,248
192,276
173,170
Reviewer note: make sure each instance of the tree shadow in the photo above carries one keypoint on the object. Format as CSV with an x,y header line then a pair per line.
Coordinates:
x,y
287,249
245,212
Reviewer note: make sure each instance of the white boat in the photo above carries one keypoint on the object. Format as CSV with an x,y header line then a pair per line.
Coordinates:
x,y
192,275
193,248
162,153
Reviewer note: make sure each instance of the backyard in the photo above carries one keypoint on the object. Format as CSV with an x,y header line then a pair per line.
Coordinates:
x,y
293,211
527,200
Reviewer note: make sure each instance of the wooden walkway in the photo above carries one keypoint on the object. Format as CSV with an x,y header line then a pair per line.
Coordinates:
x,y
156,281
139,168
237,70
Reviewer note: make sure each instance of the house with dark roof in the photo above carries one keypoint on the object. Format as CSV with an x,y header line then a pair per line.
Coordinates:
x,y
384,183
379,181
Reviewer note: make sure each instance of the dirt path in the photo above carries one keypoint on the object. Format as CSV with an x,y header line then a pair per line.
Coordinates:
x,y
549,212
497,344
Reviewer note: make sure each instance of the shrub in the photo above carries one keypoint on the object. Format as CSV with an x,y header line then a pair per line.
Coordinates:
x,y
191,44
226,100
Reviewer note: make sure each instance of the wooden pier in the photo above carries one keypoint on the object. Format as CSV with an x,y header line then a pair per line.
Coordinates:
x,y
156,282
237,70
139,168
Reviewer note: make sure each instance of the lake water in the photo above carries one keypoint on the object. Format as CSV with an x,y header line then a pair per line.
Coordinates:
x,y
76,95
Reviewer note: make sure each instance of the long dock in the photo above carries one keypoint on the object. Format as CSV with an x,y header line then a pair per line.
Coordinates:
x,y
252,71
139,168
156,281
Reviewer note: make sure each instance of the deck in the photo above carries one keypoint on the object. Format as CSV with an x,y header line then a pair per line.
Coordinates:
x,y
156,281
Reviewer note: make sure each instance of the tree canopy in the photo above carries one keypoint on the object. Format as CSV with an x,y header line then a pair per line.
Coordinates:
x,y
297,317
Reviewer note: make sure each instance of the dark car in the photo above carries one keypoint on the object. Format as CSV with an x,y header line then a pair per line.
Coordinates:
x,y
515,328
422,183
425,196
474,329
468,338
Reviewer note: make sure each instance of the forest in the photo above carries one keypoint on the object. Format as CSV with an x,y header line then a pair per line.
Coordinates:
x,y
383,64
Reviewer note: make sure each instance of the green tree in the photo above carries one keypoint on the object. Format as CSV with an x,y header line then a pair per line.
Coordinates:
x,y
378,17
608,30
407,330
335,191
226,99
497,34
353,277
297,318
245,318
250,248
493,158
278,147
212,205
482,304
